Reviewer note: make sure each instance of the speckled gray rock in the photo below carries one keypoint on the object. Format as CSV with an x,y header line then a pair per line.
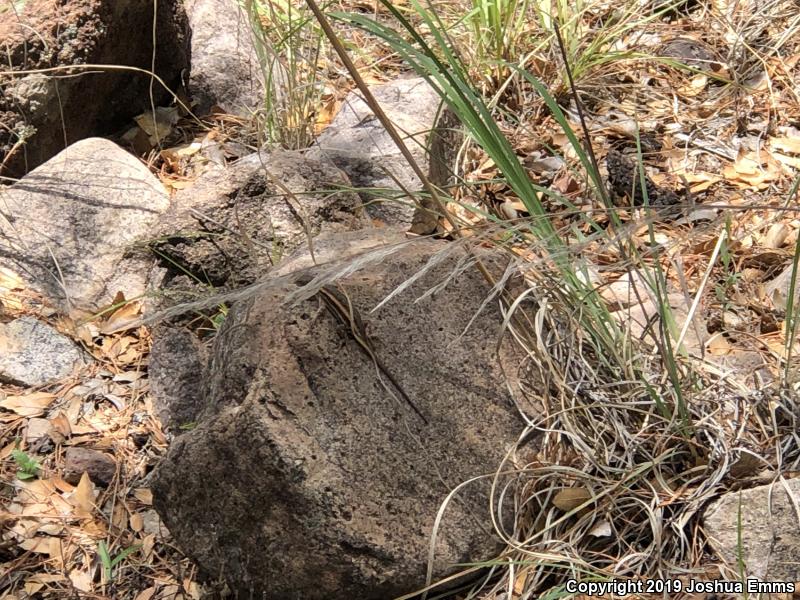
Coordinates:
x,y
358,144
770,531
305,478
32,353
70,227
225,68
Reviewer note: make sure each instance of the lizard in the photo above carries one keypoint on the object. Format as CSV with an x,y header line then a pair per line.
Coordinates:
x,y
341,307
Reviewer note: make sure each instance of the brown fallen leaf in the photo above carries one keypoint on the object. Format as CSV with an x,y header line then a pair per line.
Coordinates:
x,y
753,169
148,543
61,485
789,161
700,181
9,280
28,405
157,124
143,495
7,450
519,582
748,465
61,426
171,592
719,346
146,594
136,521
571,498
786,144
42,545
325,114
82,580
123,318
695,86
119,516
82,497
176,156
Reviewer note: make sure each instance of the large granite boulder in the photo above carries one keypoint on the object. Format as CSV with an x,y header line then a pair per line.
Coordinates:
x,y
71,226
42,113
225,68
309,475
757,529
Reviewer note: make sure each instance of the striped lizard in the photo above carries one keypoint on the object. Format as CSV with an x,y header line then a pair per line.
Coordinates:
x,y
341,307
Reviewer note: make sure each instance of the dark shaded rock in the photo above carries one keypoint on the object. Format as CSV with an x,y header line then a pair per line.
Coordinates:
x,y
306,478
33,353
71,226
42,113
625,182
694,54
236,222
770,533
100,467
176,375
225,67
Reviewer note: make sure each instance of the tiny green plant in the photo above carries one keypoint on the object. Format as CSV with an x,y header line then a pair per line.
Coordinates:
x,y
740,563
722,290
108,562
218,318
28,466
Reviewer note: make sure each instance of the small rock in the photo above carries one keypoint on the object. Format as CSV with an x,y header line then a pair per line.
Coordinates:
x,y
358,144
629,289
70,225
100,467
544,165
152,524
776,236
693,53
771,541
700,214
32,353
643,321
732,320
